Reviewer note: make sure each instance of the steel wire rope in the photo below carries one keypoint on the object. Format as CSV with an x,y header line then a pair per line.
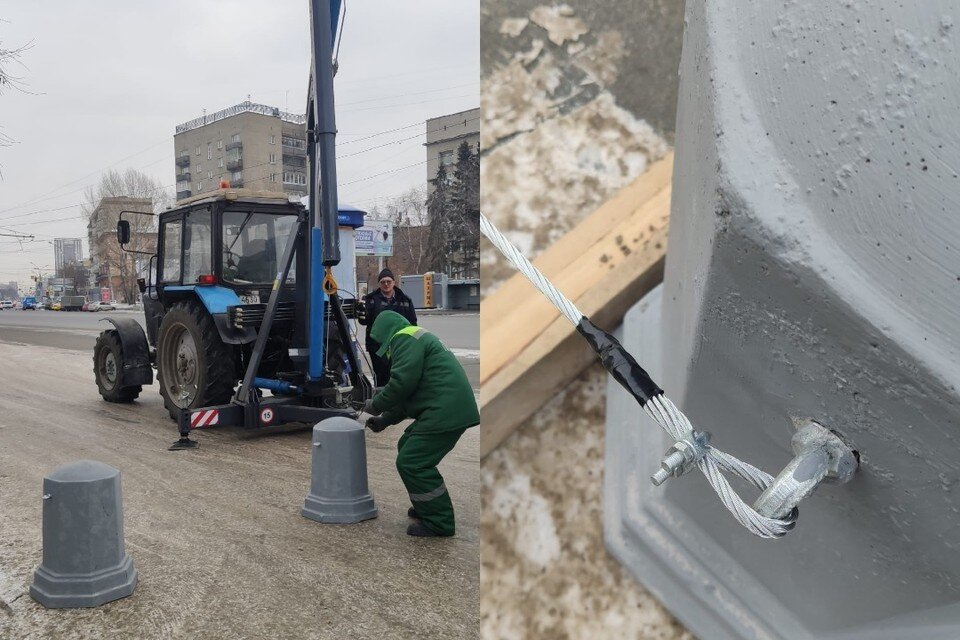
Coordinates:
x,y
662,410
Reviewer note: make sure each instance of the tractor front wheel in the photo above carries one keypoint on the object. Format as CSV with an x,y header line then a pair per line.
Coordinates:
x,y
194,366
108,367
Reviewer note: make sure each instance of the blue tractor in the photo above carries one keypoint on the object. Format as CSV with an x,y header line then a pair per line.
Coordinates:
x,y
241,299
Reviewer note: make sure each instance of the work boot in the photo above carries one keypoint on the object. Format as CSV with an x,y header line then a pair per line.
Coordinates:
x,y
421,530
412,513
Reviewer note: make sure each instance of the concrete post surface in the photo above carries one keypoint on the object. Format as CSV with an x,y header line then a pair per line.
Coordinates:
x,y
84,561
338,487
813,272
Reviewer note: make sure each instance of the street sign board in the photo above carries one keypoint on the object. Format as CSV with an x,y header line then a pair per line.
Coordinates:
x,y
374,238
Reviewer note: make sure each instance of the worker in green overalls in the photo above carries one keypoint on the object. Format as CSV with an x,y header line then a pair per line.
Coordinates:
x,y
429,385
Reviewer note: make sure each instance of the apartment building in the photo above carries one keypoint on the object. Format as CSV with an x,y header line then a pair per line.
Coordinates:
x,y
444,135
249,145
67,251
110,266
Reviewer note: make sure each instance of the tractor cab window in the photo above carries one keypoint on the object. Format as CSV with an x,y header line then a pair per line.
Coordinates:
x,y
253,245
172,233
197,246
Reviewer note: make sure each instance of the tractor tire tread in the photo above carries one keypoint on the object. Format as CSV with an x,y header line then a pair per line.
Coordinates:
x,y
110,339
219,359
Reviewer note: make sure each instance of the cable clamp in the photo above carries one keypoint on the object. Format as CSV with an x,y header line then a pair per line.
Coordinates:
x,y
682,456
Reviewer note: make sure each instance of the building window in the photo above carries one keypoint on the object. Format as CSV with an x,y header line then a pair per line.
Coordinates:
x,y
235,138
209,174
273,177
219,144
220,163
296,143
199,186
209,150
198,149
273,139
236,175
185,153
446,158
200,169
292,177
273,158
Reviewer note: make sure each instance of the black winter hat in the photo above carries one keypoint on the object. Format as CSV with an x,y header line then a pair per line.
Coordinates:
x,y
386,273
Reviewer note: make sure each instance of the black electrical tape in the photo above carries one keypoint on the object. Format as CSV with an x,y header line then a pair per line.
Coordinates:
x,y
619,363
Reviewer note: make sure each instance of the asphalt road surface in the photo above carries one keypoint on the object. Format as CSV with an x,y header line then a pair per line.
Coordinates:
x,y
215,532
78,331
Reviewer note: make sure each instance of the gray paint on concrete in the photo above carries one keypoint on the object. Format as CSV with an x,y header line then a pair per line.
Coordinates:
x,y
85,563
338,485
813,272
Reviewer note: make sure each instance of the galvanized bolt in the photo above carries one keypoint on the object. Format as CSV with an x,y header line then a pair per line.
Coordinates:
x,y
819,456
682,456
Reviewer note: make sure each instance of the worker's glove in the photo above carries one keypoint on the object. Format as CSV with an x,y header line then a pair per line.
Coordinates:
x,y
368,408
360,312
376,424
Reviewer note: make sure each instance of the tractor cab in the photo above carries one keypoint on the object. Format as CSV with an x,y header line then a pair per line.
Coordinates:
x,y
219,258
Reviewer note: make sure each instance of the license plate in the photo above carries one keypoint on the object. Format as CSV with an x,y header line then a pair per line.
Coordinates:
x,y
250,298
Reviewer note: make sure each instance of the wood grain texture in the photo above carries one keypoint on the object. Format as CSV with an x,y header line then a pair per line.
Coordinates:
x,y
605,264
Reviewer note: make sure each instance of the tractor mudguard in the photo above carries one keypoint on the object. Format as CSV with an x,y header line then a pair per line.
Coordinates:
x,y
136,367
216,300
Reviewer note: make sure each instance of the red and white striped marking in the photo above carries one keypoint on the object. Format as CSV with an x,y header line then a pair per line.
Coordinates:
x,y
206,418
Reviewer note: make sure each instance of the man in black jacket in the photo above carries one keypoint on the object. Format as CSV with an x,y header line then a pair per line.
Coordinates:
x,y
387,297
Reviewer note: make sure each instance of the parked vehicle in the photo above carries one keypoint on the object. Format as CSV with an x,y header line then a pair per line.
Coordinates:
x,y
6,304
30,303
55,306
105,306
72,303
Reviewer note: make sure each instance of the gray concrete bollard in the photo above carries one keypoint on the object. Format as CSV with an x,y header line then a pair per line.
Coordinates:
x,y
338,485
84,561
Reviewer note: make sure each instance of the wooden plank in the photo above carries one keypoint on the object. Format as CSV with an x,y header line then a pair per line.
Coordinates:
x,y
605,264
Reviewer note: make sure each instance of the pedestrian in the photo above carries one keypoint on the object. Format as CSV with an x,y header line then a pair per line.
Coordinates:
x,y
387,297
429,385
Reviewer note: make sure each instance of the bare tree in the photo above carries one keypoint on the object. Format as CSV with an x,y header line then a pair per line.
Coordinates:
x,y
408,213
10,58
130,183
104,248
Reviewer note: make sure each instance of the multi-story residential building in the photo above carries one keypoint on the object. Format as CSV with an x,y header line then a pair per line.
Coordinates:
x,y
67,251
444,135
110,266
249,145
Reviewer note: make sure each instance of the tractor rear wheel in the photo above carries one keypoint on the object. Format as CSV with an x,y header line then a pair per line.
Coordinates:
x,y
194,367
108,366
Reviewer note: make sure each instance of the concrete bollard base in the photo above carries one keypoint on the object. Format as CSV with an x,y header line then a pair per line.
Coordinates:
x,y
84,561
338,488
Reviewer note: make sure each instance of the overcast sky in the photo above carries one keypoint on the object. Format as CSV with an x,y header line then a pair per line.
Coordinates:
x,y
110,79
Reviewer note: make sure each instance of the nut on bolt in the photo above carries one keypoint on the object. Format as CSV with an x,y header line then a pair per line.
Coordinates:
x,y
682,456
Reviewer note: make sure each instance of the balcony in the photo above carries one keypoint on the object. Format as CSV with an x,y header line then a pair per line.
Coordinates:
x,y
236,184
294,161
183,177
183,194
234,145
234,164
183,161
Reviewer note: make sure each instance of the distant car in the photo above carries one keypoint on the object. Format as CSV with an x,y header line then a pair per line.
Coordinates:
x,y
6,304
29,303
105,306
86,307
55,306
